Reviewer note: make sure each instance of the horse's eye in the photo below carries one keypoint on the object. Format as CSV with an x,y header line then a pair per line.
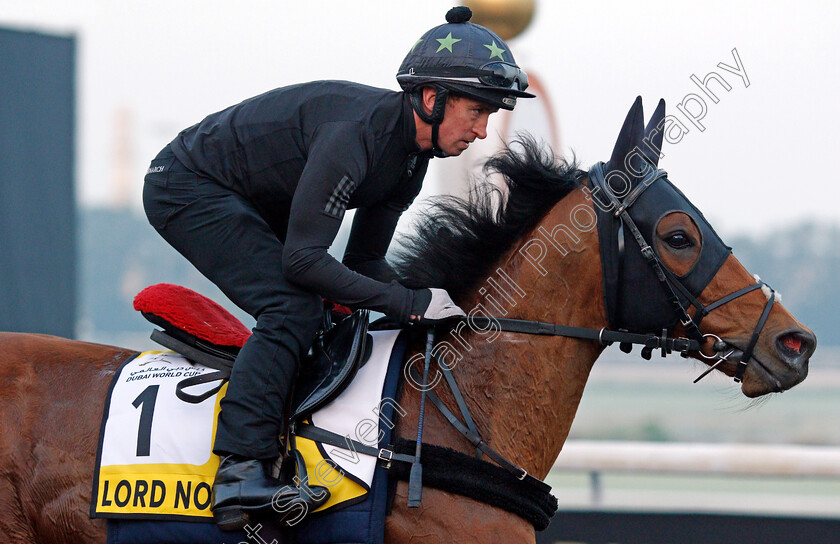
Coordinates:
x,y
678,240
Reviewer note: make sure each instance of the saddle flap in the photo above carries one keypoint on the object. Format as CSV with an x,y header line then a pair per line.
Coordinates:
x,y
331,364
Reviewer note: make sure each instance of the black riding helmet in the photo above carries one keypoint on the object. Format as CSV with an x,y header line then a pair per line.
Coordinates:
x,y
465,59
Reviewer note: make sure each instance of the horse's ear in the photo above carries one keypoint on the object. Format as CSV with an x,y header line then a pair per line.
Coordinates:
x,y
630,136
652,147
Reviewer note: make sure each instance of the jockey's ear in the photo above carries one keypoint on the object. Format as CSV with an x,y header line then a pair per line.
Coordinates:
x,y
630,137
429,95
652,143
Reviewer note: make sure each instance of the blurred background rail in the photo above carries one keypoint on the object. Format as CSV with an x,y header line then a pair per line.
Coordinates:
x,y
643,492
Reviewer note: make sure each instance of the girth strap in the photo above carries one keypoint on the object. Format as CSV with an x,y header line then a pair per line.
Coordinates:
x,y
345,442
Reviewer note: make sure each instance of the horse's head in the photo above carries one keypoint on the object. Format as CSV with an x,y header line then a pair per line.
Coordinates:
x,y
665,268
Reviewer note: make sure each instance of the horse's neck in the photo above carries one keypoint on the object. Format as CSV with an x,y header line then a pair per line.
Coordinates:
x,y
527,388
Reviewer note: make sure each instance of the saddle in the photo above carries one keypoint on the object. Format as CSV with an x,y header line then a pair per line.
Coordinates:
x,y
205,333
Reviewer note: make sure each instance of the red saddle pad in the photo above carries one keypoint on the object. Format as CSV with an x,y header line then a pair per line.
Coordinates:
x,y
193,313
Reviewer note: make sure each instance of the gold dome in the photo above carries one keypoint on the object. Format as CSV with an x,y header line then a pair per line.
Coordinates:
x,y
507,18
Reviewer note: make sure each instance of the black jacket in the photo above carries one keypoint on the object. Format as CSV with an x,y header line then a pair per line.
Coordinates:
x,y
302,155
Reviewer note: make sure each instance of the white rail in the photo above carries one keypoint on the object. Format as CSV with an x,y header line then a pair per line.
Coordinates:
x,y
693,458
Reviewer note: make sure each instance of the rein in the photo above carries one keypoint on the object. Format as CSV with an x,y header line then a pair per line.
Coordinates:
x,y
606,337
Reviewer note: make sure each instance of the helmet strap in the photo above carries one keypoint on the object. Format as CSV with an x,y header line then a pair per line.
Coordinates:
x,y
435,118
437,151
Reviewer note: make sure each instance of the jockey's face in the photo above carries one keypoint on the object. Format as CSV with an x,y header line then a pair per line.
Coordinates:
x,y
465,121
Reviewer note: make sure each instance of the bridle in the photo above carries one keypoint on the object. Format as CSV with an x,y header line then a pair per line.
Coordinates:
x,y
672,286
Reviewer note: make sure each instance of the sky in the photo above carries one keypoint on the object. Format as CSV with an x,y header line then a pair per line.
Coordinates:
x,y
763,161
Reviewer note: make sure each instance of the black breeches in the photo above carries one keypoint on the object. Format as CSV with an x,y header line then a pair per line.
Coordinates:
x,y
225,238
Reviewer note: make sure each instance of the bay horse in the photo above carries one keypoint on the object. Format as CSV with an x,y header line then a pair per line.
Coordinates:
x,y
531,253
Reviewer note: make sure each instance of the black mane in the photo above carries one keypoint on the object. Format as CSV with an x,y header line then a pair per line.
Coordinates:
x,y
457,240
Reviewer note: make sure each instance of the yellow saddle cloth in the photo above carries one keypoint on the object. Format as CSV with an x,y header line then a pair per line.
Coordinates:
x,y
155,458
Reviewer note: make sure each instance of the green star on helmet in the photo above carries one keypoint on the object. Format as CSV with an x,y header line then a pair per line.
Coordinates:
x,y
447,43
495,50
415,45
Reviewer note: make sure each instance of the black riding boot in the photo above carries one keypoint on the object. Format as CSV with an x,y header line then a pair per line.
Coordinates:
x,y
242,489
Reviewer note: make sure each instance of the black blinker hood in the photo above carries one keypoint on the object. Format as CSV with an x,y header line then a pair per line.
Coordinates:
x,y
635,298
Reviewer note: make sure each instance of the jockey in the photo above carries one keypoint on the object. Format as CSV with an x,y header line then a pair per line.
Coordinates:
x,y
254,195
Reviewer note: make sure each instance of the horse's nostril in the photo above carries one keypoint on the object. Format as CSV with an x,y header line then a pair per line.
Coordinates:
x,y
791,341
796,346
